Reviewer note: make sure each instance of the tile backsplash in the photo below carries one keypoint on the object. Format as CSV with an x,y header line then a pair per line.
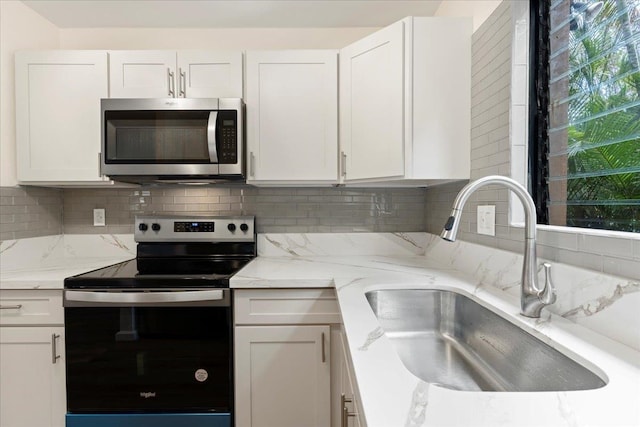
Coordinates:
x,y
490,146
277,210
30,212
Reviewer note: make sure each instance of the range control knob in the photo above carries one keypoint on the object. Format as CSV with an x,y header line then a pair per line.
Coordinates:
x,y
244,227
155,227
231,227
143,227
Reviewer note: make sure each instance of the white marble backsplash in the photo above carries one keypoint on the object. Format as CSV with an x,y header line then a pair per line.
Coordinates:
x,y
26,253
343,244
102,245
603,303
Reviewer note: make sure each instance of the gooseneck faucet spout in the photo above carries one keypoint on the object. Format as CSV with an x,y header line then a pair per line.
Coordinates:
x,y
533,298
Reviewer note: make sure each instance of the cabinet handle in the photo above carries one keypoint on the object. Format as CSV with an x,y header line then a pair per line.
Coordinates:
x,y
344,420
182,83
344,164
252,162
54,351
324,358
172,82
11,307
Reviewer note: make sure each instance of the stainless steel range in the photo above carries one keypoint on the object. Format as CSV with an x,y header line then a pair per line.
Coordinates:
x,y
149,341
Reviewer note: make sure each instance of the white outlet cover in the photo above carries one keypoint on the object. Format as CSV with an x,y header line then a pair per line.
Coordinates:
x,y
487,220
99,218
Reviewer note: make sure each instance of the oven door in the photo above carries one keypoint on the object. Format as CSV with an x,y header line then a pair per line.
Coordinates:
x,y
149,352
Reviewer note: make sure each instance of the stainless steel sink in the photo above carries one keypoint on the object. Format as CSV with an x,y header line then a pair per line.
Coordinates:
x,y
448,339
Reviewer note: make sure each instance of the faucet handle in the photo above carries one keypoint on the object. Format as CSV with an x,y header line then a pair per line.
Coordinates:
x,y
548,294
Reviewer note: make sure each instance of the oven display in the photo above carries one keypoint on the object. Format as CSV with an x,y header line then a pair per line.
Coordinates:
x,y
193,227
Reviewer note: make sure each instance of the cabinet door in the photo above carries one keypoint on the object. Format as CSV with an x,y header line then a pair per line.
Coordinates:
x,y
142,74
32,388
292,116
282,376
352,418
209,74
58,114
371,105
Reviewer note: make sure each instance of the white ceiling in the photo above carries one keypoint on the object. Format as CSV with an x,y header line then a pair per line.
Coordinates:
x,y
229,13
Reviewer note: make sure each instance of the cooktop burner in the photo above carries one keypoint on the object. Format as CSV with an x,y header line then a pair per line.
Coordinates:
x,y
170,255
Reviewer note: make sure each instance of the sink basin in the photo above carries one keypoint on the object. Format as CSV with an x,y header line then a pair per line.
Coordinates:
x,y
448,339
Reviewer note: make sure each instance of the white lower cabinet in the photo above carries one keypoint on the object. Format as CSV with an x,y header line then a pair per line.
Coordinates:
x,y
284,357
32,376
32,359
282,376
345,399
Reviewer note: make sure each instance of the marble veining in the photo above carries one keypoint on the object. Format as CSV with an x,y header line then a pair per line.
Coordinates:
x,y
566,411
349,283
593,307
407,238
371,338
326,244
292,247
10,244
419,403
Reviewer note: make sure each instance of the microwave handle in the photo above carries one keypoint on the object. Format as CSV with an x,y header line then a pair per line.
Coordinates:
x,y
211,136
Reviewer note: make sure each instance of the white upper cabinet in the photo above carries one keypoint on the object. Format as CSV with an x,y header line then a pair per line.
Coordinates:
x,y
171,74
371,98
405,103
292,117
58,115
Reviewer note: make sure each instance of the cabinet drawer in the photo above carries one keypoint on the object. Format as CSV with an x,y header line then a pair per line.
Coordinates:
x,y
31,307
279,306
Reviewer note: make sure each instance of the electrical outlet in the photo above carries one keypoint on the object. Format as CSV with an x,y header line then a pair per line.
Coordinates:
x,y
487,220
98,218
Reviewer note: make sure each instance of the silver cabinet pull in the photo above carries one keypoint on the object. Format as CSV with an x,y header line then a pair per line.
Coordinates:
x,y
54,351
344,420
252,162
182,83
324,357
344,164
11,307
172,82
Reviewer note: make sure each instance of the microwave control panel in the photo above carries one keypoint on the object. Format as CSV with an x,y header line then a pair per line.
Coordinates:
x,y
228,137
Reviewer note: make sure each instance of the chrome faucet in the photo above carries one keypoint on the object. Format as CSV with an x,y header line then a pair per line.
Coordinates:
x,y
532,298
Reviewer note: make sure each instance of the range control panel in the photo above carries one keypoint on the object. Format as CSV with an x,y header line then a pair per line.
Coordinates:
x,y
195,229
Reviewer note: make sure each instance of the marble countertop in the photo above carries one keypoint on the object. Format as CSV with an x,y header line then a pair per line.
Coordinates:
x,y
357,263
44,262
51,274
392,396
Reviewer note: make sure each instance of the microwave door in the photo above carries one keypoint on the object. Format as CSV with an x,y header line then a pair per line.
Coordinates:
x,y
211,136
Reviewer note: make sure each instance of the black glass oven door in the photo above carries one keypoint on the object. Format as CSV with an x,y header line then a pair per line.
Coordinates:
x,y
148,359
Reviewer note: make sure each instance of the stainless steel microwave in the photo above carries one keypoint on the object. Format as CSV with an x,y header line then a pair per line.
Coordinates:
x,y
183,140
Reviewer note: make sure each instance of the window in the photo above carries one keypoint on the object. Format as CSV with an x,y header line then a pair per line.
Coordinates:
x,y
585,113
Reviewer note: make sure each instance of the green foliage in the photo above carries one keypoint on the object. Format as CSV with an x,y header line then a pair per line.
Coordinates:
x,y
603,189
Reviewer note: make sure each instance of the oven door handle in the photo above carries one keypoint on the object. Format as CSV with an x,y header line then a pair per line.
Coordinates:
x,y
142,298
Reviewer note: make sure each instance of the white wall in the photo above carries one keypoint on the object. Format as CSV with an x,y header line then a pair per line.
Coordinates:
x,y
20,28
478,9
